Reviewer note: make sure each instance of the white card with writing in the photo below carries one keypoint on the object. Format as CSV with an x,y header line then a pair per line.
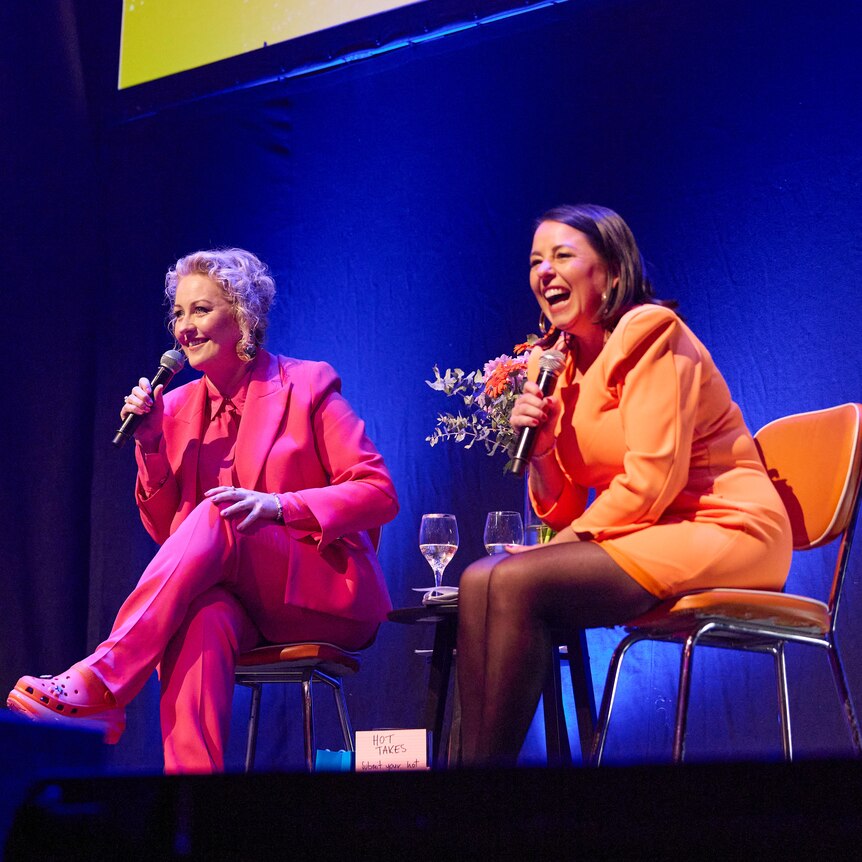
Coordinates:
x,y
391,750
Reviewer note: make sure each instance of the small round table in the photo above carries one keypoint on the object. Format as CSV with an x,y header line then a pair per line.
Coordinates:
x,y
445,618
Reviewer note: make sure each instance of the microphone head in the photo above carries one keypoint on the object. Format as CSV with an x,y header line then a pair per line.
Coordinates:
x,y
173,360
551,362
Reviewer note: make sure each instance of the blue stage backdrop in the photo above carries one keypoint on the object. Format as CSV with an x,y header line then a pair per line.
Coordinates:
x,y
394,201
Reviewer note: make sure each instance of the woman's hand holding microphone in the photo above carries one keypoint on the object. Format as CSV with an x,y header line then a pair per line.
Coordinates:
x,y
143,401
533,410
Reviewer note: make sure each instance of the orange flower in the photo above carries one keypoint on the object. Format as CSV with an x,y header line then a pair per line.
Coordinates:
x,y
498,380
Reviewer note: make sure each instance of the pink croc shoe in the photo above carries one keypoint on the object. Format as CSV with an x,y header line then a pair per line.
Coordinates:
x,y
76,698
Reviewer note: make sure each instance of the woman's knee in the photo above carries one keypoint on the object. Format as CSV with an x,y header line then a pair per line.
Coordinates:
x,y
204,537
475,576
207,515
513,585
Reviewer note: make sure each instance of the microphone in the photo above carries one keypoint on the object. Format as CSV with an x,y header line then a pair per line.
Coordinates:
x,y
550,364
170,363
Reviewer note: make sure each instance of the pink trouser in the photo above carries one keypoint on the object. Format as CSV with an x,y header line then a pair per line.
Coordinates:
x,y
209,593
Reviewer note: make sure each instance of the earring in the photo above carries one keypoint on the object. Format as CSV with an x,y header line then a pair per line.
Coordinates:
x,y
544,323
246,349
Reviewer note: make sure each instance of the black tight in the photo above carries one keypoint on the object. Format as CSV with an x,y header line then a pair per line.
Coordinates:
x,y
511,610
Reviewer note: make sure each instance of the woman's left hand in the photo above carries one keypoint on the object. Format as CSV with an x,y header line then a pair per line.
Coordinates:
x,y
258,504
520,549
566,535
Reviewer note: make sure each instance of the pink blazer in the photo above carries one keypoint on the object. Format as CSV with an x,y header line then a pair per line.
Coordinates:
x,y
297,435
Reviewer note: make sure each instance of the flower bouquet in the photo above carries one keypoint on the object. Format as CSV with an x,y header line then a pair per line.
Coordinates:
x,y
488,395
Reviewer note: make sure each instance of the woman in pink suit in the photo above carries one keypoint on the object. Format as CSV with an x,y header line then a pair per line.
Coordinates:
x,y
266,496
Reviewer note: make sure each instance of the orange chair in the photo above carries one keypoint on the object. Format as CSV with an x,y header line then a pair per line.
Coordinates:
x,y
815,461
303,663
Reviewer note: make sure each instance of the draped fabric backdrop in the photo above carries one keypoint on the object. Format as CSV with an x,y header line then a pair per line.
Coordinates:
x,y
394,199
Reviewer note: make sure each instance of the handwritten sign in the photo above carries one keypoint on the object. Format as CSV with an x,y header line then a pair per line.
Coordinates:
x,y
391,750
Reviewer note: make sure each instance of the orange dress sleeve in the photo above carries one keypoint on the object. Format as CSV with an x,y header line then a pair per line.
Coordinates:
x,y
573,497
651,372
657,375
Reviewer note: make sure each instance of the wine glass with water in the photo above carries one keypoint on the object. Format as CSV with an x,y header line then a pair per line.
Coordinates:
x,y
438,541
501,529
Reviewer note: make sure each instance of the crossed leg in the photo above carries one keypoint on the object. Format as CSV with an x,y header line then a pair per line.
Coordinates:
x,y
208,594
202,553
511,609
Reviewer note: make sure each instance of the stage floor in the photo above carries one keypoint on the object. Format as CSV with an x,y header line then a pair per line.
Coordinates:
x,y
700,811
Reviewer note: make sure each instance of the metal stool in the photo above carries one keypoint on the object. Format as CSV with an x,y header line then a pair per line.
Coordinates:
x,y
304,663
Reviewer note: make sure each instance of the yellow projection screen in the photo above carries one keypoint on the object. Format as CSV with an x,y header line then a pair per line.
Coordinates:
x,y
163,37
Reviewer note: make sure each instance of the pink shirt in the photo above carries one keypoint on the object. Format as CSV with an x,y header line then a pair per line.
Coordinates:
x,y
218,445
222,418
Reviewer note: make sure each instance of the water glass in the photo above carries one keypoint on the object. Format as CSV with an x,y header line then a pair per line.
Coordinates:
x,y
438,541
501,529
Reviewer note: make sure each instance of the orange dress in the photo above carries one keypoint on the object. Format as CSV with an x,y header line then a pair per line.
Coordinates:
x,y
682,500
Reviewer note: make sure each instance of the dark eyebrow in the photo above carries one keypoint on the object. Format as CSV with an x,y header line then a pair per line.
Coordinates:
x,y
554,249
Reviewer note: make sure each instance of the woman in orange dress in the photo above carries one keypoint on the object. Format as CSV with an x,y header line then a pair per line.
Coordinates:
x,y
642,416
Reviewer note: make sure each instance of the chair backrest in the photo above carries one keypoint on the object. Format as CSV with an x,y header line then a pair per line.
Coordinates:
x,y
815,462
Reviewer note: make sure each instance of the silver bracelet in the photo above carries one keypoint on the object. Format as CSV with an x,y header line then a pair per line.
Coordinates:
x,y
544,454
279,512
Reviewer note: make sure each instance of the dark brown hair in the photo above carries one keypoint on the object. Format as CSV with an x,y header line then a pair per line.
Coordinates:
x,y
612,239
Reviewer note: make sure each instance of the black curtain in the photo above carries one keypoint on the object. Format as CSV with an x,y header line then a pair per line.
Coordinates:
x,y
52,274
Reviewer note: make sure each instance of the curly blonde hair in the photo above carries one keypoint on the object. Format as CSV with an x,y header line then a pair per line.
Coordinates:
x,y
246,281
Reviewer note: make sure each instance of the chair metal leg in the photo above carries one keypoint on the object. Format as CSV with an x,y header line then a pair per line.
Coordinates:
x,y
683,695
783,701
253,717
840,680
343,715
308,721
582,690
608,697
556,735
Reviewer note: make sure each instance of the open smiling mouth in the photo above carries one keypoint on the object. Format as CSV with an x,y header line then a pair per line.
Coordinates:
x,y
555,296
